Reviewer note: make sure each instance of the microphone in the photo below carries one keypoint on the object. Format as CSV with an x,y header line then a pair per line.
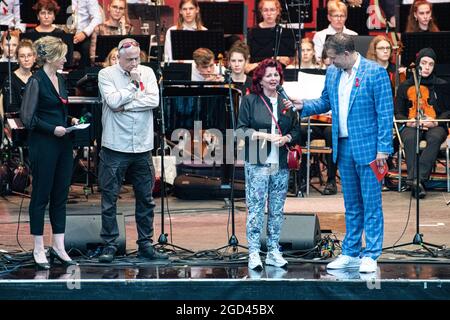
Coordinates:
x,y
281,92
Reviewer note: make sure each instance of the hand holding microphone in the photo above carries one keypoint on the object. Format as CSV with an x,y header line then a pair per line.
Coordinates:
x,y
288,104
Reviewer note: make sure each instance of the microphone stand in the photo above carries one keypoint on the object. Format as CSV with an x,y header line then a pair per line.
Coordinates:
x,y
233,241
418,237
162,240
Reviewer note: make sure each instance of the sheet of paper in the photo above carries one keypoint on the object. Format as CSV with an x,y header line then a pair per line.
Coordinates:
x,y
78,127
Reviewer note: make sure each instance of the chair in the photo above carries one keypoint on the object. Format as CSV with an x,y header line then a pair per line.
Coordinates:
x,y
315,147
422,145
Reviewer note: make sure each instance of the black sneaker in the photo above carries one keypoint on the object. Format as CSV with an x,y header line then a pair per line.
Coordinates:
x,y
150,253
330,189
108,254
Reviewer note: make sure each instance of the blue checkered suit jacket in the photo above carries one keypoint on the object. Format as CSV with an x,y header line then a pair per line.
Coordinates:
x,y
370,113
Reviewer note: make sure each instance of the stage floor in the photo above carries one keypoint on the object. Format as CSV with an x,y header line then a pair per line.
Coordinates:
x,y
203,226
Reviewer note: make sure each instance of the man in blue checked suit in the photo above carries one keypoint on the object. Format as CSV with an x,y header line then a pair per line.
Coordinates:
x,y
359,94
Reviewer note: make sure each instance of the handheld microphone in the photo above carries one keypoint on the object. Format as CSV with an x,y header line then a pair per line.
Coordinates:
x,y
281,92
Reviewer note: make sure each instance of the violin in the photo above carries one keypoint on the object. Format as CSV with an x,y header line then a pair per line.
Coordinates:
x,y
419,101
326,118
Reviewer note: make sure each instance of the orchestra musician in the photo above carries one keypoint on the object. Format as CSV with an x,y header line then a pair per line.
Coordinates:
x,y
9,48
26,56
270,12
430,108
10,14
420,18
87,15
112,58
46,11
238,56
189,18
380,51
117,24
337,15
203,67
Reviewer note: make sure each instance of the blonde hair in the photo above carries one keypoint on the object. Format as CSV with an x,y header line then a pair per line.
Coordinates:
x,y
336,5
49,49
107,62
198,17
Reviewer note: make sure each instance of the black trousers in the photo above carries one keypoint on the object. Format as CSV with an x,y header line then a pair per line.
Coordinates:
x,y
83,48
319,132
434,137
51,168
112,168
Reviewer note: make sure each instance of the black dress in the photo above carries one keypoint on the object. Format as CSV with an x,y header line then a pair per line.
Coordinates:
x,y
42,110
17,89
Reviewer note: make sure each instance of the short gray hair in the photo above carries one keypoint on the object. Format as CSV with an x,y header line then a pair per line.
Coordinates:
x,y
340,42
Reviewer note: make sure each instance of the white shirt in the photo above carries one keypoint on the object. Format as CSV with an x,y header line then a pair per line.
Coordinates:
x,y
168,41
10,14
346,83
274,150
196,76
88,15
130,130
321,36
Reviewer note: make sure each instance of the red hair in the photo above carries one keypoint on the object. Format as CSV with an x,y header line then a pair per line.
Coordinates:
x,y
260,71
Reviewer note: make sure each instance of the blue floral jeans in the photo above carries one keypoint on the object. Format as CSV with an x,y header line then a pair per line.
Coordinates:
x,y
265,184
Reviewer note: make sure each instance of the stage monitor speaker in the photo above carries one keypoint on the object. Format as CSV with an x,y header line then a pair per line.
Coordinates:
x,y
301,231
83,232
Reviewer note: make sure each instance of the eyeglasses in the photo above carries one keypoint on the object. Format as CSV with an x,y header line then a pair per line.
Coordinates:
x,y
384,48
128,44
338,16
118,8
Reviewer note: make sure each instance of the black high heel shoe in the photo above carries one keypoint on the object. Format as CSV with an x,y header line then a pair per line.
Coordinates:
x,y
54,255
41,266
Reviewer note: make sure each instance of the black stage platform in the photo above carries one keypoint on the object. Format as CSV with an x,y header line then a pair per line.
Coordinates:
x,y
227,281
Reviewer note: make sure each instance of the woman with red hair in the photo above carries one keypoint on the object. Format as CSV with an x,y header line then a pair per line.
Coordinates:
x,y
421,17
267,123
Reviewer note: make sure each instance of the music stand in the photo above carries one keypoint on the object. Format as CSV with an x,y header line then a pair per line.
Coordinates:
x,y
184,43
28,15
262,43
148,14
177,71
362,44
106,43
413,42
231,17
67,38
305,11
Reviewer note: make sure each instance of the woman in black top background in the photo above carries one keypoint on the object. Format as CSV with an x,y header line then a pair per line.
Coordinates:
x,y
44,112
26,56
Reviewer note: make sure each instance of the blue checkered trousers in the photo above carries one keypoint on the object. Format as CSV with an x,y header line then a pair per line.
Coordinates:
x,y
369,124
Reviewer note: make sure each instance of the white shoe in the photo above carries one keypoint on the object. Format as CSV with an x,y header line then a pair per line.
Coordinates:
x,y
275,258
343,262
368,265
254,261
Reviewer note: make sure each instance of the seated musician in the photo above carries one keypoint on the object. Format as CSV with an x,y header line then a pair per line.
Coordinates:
x,y
19,78
112,58
420,18
204,68
46,11
9,50
308,57
430,106
189,19
238,56
270,13
117,24
337,15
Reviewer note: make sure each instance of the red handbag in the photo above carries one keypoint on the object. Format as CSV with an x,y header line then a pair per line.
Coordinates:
x,y
294,153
